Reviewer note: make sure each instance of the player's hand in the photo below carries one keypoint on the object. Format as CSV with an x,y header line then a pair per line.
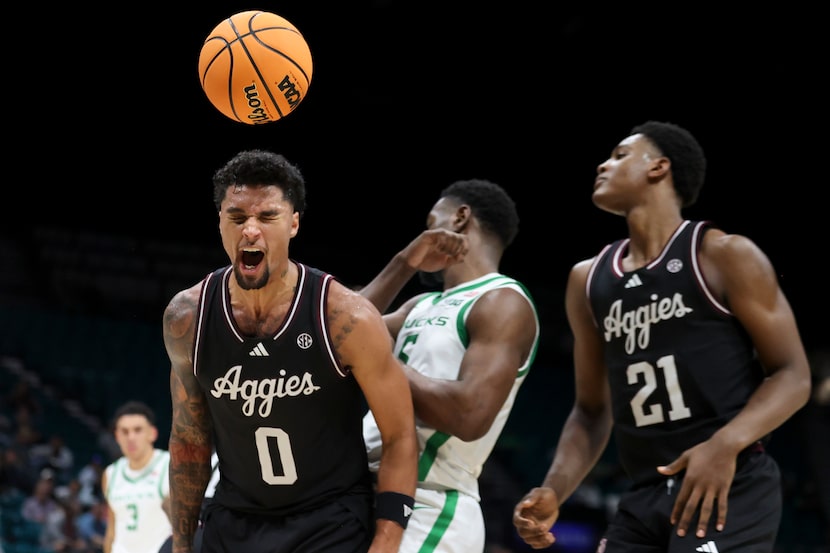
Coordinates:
x,y
534,516
436,249
710,470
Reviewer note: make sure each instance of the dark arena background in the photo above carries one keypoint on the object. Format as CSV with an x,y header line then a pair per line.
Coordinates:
x,y
107,207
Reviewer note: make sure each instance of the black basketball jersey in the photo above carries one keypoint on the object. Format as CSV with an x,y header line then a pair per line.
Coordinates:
x,y
287,417
679,364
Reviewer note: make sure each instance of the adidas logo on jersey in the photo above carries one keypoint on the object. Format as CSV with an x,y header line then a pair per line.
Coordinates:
x,y
634,281
259,351
708,547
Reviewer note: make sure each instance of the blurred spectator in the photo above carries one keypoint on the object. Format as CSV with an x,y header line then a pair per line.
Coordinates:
x,y
26,436
38,506
15,473
70,493
60,532
92,526
56,455
90,478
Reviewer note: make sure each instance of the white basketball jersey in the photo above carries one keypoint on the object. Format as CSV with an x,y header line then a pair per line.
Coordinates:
x,y
135,497
433,340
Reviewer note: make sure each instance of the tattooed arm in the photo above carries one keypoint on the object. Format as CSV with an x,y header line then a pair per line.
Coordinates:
x,y
191,433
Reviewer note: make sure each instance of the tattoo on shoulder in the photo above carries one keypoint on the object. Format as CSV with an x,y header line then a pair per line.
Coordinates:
x,y
342,322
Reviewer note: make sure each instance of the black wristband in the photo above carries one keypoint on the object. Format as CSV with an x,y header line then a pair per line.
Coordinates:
x,y
394,506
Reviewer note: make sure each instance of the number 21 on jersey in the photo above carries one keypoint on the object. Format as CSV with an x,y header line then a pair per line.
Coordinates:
x,y
643,372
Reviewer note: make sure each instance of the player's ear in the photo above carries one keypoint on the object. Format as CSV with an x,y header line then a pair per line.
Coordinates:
x,y
461,218
660,166
295,224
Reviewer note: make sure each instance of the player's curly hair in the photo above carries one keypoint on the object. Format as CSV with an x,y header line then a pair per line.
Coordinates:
x,y
688,163
490,204
260,167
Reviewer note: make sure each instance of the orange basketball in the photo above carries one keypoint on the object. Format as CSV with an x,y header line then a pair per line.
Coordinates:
x,y
255,67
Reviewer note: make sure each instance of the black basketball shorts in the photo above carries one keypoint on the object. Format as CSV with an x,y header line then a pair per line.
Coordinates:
x,y
641,523
342,526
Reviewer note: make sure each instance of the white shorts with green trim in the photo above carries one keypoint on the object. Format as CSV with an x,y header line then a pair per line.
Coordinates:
x,y
445,521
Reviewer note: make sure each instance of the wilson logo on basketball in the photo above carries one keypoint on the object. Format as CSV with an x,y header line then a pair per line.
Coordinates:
x,y
258,114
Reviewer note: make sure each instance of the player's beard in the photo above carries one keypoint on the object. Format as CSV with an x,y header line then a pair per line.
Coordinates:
x,y
247,283
433,281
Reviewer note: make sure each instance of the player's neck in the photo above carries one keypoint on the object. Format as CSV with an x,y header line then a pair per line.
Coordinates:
x,y
473,267
649,235
279,290
142,461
